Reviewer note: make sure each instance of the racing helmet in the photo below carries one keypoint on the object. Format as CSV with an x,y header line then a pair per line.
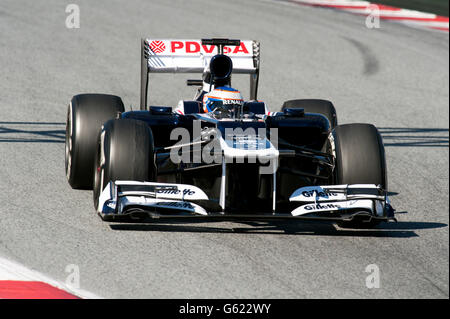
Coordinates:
x,y
223,100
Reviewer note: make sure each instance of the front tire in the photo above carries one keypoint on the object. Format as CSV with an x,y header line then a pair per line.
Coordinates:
x,y
85,115
125,151
324,107
359,159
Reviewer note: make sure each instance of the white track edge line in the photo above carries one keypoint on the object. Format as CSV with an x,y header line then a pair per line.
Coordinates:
x,y
11,270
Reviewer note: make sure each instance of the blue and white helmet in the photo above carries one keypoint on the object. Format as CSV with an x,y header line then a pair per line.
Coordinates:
x,y
223,98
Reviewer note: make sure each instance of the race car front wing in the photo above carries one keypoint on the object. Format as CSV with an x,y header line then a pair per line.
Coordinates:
x,y
164,200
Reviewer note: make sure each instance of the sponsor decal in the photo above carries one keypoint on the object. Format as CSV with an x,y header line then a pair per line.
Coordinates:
x,y
323,193
197,47
316,193
240,102
249,142
317,207
185,191
310,207
364,204
183,205
157,46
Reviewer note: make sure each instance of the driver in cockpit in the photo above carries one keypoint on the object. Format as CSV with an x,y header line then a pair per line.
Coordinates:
x,y
223,102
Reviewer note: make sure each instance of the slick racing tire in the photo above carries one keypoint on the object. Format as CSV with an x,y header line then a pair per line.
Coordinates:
x,y
85,115
125,151
324,107
359,159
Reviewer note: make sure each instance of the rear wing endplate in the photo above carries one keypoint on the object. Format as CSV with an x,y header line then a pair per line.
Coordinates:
x,y
192,56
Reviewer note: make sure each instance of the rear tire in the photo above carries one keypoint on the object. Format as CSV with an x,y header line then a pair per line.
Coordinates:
x,y
324,107
360,159
85,116
128,154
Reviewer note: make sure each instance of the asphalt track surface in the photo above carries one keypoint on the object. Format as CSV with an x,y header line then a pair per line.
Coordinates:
x,y
395,77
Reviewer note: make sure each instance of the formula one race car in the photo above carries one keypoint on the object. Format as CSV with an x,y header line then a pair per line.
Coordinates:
x,y
218,156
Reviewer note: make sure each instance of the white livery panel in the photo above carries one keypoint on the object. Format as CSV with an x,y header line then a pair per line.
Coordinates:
x,y
190,56
335,193
118,195
333,198
363,204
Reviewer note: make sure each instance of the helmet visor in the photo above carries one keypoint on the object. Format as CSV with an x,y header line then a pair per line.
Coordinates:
x,y
225,107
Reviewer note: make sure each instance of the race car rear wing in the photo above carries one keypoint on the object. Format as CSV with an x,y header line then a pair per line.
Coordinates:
x,y
192,56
